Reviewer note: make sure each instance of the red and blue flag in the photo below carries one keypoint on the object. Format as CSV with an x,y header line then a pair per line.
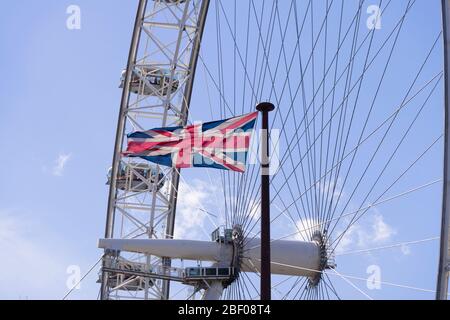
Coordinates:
x,y
220,144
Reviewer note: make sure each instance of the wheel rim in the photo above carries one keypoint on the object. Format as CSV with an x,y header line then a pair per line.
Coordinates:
x,y
352,135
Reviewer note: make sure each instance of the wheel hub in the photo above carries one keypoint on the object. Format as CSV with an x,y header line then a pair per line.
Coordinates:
x,y
327,260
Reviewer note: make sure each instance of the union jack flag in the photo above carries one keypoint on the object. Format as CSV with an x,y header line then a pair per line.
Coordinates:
x,y
220,144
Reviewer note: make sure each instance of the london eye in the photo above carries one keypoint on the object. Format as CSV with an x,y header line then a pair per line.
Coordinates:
x,y
359,151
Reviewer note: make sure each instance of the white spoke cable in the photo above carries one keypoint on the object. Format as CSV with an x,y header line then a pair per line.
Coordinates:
x,y
358,278
353,285
82,278
402,244
202,208
353,213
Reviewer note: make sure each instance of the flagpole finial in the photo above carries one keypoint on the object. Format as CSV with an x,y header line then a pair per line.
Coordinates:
x,y
265,107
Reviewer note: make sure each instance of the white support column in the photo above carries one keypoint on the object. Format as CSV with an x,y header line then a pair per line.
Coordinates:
x,y
110,215
214,292
444,260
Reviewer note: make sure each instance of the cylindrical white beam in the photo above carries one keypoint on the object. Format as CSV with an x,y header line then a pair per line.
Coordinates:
x,y
293,258
169,248
214,292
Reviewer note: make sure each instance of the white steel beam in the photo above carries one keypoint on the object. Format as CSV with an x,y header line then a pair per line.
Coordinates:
x,y
292,258
444,259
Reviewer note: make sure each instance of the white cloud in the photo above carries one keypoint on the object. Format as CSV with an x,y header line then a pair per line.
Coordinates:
x,y
200,209
60,164
194,199
254,207
381,231
375,231
305,229
331,187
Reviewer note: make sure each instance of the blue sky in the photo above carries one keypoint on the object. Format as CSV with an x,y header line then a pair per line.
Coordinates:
x,y
58,109
60,97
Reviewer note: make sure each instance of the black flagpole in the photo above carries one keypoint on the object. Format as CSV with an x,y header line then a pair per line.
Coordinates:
x,y
266,286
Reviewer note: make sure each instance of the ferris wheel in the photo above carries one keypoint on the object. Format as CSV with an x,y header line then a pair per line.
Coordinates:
x,y
356,167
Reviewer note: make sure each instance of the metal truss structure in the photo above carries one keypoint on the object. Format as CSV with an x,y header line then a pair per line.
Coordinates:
x,y
157,86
